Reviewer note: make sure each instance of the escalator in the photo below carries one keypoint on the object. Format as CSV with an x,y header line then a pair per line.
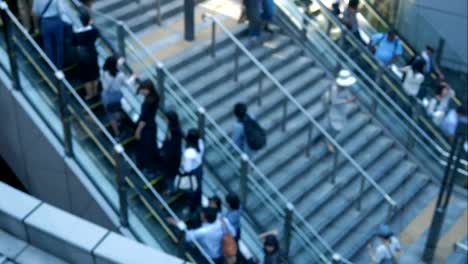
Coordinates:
x,y
403,116
83,131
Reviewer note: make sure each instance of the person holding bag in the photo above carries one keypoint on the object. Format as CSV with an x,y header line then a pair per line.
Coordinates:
x,y
112,82
190,177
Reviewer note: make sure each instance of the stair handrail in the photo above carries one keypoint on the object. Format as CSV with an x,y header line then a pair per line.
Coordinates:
x,y
375,88
221,131
301,108
106,133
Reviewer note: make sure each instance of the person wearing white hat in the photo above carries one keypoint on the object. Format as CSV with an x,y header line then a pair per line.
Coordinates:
x,y
336,100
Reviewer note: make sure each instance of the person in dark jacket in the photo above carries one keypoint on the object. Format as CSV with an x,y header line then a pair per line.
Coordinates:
x,y
84,40
145,134
272,252
171,152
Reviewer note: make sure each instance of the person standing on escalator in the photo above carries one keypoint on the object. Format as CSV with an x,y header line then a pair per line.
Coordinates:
x,y
84,39
51,15
147,149
171,151
350,19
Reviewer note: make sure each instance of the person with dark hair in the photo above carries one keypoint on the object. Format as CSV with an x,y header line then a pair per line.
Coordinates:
x,y
271,248
387,48
350,18
438,105
147,150
413,77
388,246
84,40
215,203
112,83
238,132
210,234
428,56
171,151
233,213
192,166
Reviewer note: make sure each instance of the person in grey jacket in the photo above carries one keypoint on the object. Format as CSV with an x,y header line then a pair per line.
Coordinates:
x,y
339,98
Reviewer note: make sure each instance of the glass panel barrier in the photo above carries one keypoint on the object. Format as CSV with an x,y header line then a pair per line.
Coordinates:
x,y
83,130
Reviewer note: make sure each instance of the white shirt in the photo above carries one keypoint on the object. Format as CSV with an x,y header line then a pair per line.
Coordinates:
x,y
191,158
384,251
412,81
210,236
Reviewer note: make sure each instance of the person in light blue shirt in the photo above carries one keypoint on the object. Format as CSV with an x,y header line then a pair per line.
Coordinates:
x,y
233,213
387,47
209,236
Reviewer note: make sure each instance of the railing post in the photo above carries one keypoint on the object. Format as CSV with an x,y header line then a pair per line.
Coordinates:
x,y
304,27
288,227
121,185
391,209
201,122
310,130
213,39
335,167
440,50
158,12
236,64
285,115
64,113
160,75
189,19
244,172
121,38
360,194
260,89
8,33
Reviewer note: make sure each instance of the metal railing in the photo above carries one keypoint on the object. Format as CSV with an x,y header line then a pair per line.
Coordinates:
x,y
69,100
251,180
438,151
289,99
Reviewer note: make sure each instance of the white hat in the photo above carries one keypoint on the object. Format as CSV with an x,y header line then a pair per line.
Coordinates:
x,y
345,78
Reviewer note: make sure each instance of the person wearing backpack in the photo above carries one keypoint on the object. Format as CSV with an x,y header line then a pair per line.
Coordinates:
x,y
247,133
335,102
386,47
388,248
215,236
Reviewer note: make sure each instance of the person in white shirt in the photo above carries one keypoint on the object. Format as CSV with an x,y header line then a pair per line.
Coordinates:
x,y
192,164
210,235
451,120
414,77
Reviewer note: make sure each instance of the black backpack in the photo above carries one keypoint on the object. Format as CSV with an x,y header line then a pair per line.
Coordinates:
x,y
255,135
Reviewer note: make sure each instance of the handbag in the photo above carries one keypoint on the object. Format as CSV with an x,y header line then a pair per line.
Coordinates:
x,y
186,182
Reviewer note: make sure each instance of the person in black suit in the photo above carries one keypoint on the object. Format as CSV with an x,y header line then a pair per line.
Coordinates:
x,y
84,40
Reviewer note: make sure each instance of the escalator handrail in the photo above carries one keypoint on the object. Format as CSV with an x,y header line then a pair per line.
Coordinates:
x,y
106,133
375,87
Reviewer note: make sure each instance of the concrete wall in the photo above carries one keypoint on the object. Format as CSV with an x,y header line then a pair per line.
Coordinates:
x,y
37,158
425,21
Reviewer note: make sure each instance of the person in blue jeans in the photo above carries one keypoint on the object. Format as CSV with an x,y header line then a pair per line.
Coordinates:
x,y
268,12
387,47
52,28
253,14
